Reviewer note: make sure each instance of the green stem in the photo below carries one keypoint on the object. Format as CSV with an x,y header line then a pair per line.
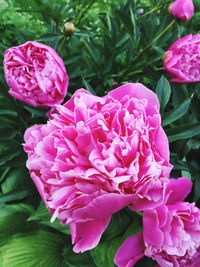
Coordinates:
x,y
150,11
157,37
157,7
61,46
148,46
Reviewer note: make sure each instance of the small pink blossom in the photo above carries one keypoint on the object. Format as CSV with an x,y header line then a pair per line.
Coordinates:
x,y
141,11
182,9
182,60
35,74
171,232
98,154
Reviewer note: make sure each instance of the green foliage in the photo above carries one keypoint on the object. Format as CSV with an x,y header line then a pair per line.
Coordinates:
x,y
113,44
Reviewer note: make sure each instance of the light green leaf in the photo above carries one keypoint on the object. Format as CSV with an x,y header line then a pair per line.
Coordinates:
x,y
13,221
40,248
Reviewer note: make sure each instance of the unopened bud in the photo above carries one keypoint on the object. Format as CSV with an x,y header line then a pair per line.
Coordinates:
x,y
69,28
114,84
170,9
141,11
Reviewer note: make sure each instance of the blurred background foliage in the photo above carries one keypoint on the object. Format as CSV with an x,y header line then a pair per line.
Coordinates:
x,y
113,44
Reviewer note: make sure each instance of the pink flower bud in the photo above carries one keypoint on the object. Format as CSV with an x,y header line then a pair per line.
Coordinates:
x,y
182,9
36,74
141,11
69,28
182,60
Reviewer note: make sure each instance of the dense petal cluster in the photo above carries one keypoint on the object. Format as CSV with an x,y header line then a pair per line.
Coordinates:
x,y
97,155
182,9
174,238
171,232
182,60
35,74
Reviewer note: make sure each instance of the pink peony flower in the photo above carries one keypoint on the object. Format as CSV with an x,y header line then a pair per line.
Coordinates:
x,y
171,232
98,154
182,60
35,74
182,9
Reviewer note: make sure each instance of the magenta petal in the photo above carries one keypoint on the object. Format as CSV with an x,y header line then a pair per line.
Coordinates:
x,y
130,251
139,91
177,190
86,235
152,234
96,209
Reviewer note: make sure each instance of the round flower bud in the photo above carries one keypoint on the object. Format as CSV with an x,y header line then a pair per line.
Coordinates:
x,y
69,28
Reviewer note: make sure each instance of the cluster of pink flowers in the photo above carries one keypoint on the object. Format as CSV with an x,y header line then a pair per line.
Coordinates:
x,y
96,155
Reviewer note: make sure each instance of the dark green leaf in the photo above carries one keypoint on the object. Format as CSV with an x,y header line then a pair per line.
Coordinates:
x,y
43,216
183,132
176,113
163,91
13,196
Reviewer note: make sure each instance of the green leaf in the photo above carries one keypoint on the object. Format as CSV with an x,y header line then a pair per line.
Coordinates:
x,y
50,37
3,175
183,132
88,86
40,248
104,253
77,259
16,178
43,216
176,113
163,91
7,155
124,226
13,196
197,189
13,221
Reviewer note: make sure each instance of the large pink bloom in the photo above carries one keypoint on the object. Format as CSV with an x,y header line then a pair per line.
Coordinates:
x,y
182,60
182,9
171,232
97,155
35,74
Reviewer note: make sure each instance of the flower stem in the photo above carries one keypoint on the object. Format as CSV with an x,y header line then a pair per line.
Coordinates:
x,y
155,8
157,38
61,46
125,72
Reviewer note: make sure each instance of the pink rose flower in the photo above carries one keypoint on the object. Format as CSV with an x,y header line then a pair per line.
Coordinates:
x,y
171,232
35,74
98,154
182,60
182,9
